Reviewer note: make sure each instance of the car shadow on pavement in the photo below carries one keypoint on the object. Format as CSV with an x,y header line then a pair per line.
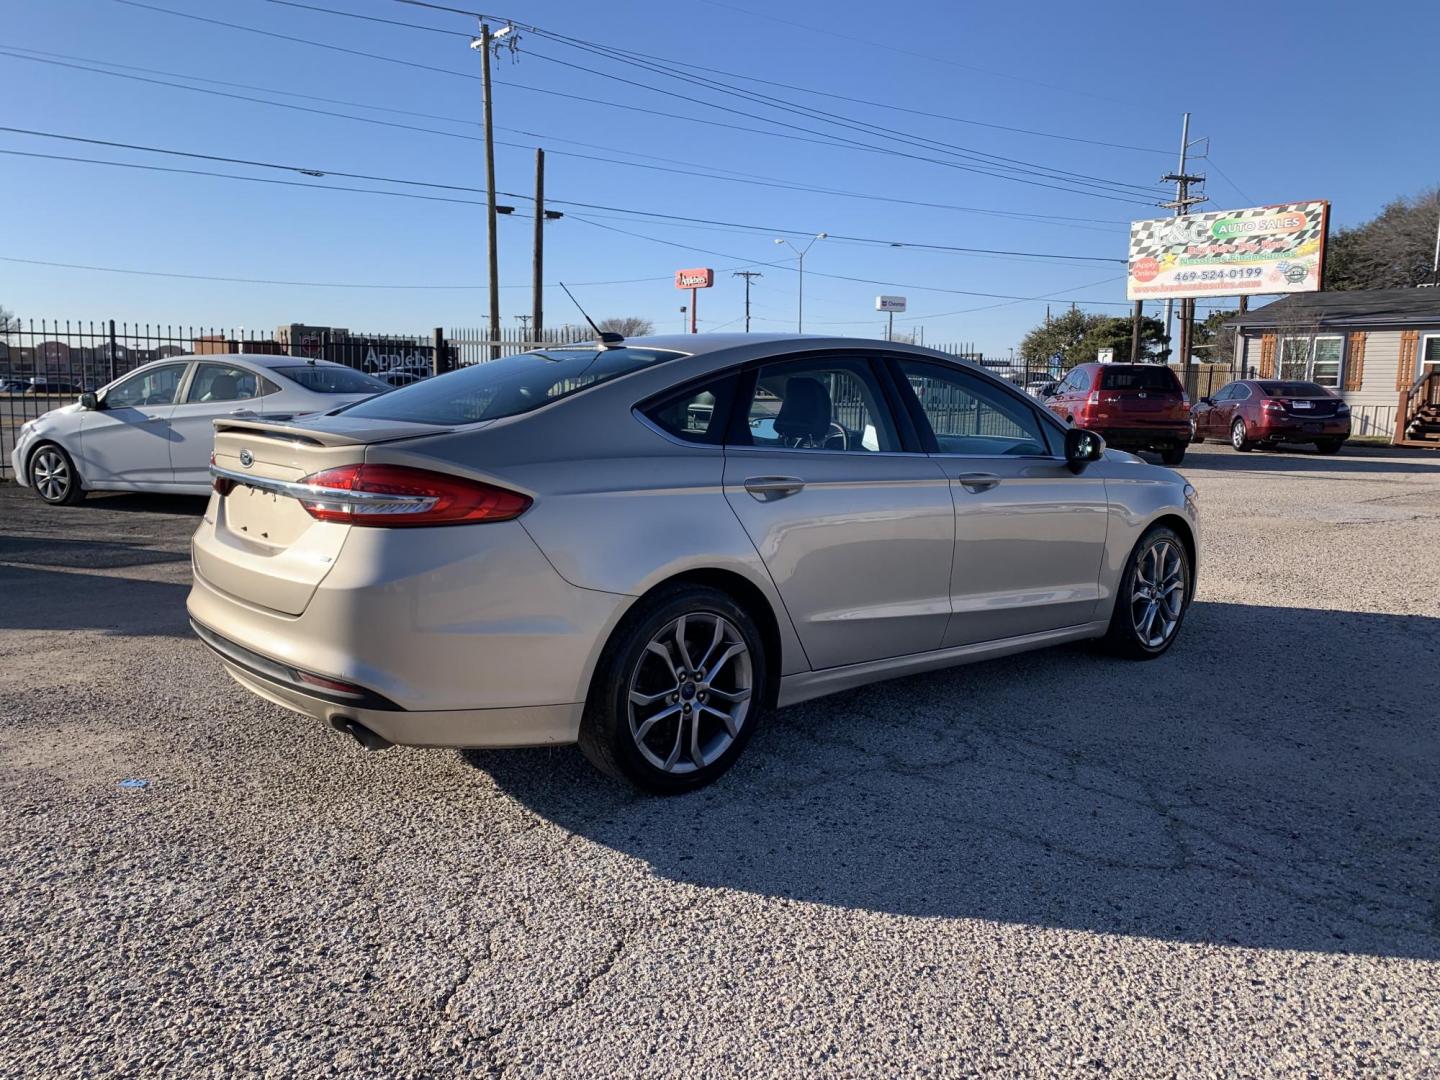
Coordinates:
x,y
1271,782
83,554
36,599
145,503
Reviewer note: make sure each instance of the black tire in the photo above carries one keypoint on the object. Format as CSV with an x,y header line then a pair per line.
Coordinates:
x,y
1329,446
1240,436
607,737
52,473
1173,455
1123,638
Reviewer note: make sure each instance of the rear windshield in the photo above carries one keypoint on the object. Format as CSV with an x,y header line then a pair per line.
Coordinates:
x,y
1295,389
328,379
508,386
1139,377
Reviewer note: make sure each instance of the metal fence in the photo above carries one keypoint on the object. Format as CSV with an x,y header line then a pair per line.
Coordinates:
x,y
45,364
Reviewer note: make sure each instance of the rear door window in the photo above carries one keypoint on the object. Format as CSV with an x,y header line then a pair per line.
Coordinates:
x,y
698,414
217,382
832,404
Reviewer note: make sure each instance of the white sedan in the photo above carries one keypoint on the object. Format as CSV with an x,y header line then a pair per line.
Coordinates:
x,y
153,429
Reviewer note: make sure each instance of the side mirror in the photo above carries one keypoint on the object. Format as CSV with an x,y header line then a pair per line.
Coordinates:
x,y
1048,390
1081,448
89,401
1207,401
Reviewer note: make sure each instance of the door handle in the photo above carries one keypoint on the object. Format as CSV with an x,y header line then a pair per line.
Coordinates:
x,y
767,488
978,481
242,412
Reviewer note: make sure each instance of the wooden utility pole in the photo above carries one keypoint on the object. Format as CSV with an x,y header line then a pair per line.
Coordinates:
x,y
1183,201
492,240
1135,331
747,275
537,269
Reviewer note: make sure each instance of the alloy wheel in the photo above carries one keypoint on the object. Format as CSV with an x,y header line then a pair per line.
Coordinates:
x,y
1237,434
1157,592
50,473
690,692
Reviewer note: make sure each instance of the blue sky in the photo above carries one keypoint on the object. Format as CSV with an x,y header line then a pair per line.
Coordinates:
x,y
1297,106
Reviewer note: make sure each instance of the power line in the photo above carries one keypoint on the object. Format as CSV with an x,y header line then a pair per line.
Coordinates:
x,y
705,171
648,63
306,284
316,172
839,277
831,140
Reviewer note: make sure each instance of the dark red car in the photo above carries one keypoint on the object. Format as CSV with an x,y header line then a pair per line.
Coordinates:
x,y
1262,412
1132,406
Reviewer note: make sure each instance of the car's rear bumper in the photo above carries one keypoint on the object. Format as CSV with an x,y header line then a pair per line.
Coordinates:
x,y
537,725
1303,430
1123,438
454,637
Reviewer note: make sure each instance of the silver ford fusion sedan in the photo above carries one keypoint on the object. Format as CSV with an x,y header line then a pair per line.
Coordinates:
x,y
643,546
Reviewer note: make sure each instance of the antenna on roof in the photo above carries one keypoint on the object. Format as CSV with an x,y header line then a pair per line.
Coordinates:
x,y
606,340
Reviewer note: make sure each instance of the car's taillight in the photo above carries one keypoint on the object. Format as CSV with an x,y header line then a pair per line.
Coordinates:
x,y
1094,398
220,484
393,496
1272,406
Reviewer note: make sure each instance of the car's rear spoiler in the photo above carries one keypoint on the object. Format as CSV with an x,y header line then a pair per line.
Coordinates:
x,y
328,431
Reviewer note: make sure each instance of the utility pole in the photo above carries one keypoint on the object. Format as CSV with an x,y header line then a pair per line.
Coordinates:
x,y
747,275
537,265
1135,331
1183,201
483,44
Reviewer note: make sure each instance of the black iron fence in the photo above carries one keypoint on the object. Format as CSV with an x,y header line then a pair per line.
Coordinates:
x,y
48,363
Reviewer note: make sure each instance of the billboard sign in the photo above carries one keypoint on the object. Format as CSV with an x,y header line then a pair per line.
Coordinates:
x,y
889,303
694,279
1264,249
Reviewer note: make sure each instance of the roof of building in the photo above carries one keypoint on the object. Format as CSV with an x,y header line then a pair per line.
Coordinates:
x,y
1349,307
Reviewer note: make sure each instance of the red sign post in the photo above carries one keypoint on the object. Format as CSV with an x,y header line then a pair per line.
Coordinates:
x,y
702,278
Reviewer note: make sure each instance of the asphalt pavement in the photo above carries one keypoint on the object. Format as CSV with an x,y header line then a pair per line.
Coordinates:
x,y
1222,863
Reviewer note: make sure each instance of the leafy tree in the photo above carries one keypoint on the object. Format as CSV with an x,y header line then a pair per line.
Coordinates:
x,y
629,326
1393,250
1213,341
1076,337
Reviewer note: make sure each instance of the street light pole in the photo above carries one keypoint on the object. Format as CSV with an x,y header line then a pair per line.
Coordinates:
x,y
800,298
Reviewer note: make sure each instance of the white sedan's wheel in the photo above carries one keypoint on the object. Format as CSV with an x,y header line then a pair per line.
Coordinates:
x,y
53,476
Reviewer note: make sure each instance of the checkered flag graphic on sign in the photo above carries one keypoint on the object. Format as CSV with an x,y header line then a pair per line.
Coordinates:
x,y
1159,237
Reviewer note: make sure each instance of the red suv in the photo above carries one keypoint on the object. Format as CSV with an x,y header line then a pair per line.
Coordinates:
x,y
1263,412
1133,406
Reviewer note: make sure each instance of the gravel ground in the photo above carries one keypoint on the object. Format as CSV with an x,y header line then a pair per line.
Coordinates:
x,y
1224,863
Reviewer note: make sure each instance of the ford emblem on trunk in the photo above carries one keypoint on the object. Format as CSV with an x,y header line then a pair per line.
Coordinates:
x,y
247,458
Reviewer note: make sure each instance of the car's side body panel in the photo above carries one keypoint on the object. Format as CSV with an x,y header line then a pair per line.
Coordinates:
x,y
860,553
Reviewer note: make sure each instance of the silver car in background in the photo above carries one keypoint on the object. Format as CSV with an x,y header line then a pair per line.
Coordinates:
x,y
644,546
152,428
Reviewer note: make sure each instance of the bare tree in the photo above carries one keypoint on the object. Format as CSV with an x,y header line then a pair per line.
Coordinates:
x,y
1393,250
628,326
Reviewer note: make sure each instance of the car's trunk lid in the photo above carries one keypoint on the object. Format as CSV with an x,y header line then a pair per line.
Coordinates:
x,y
265,549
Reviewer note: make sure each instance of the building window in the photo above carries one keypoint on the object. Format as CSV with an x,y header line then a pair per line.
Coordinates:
x,y
1314,359
1429,352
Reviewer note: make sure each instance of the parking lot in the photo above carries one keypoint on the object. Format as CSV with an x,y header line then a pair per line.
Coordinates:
x,y
1225,862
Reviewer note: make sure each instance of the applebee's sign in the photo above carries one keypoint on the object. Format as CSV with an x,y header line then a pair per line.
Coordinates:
x,y
694,279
